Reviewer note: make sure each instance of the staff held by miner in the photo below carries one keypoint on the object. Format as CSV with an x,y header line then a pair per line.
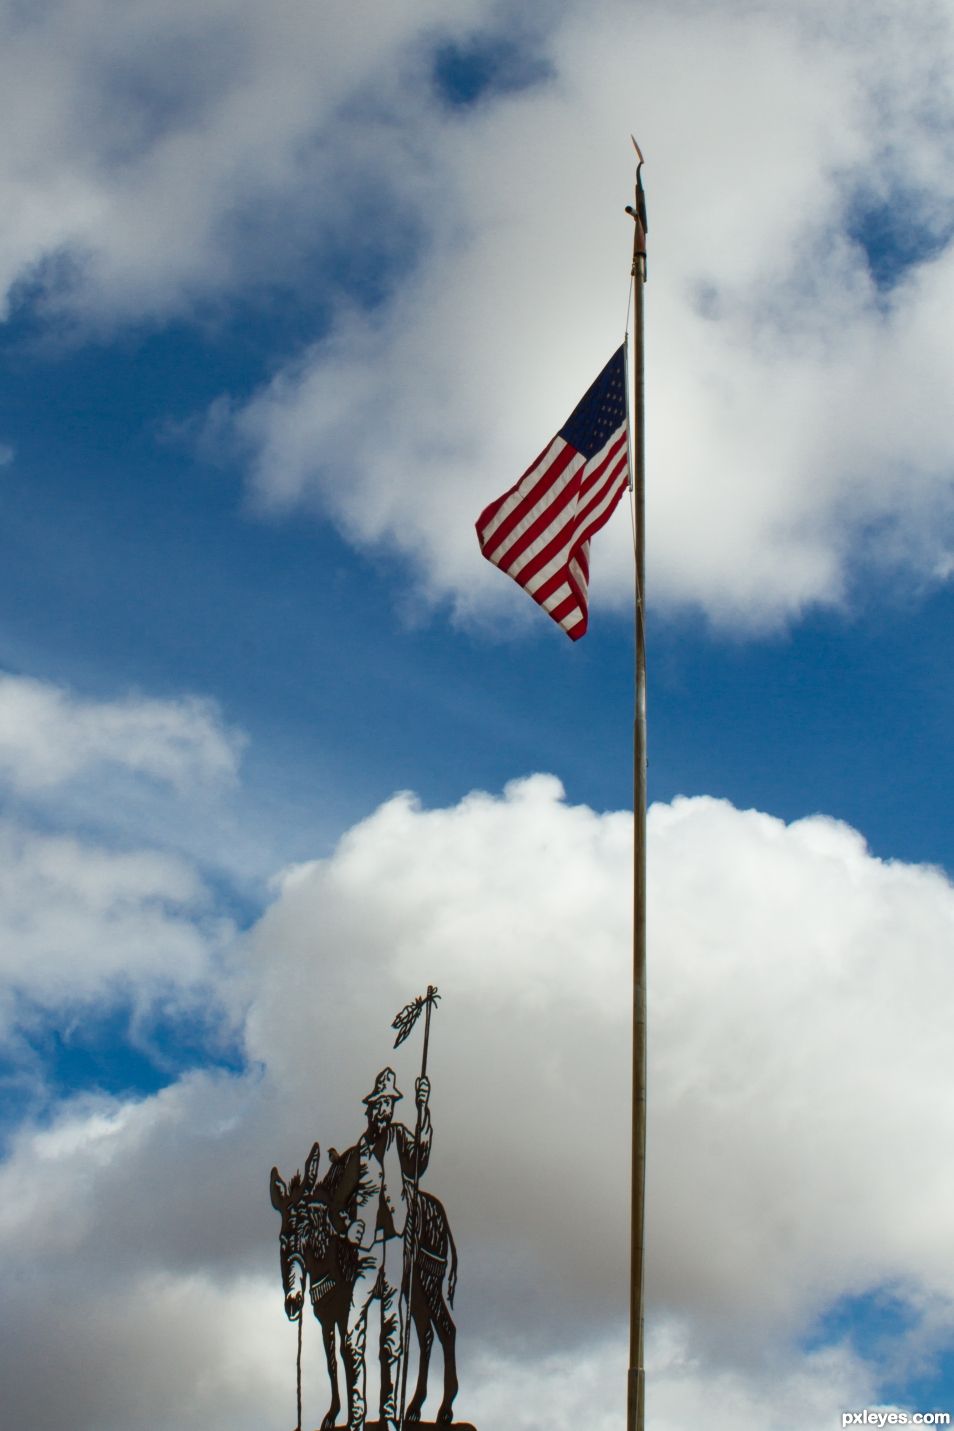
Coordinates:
x,y
374,1205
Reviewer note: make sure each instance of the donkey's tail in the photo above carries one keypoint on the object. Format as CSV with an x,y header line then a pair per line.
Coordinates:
x,y
452,1274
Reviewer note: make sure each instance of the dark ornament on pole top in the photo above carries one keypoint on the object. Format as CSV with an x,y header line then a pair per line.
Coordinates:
x,y
638,215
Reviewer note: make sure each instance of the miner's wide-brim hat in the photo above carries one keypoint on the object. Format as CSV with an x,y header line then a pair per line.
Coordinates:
x,y
385,1086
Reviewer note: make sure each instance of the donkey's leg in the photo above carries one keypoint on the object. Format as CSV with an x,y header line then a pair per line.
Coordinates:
x,y
425,1339
447,1336
328,1337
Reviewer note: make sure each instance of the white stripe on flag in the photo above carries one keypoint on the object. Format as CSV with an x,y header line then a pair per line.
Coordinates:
x,y
575,529
560,595
539,531
526,484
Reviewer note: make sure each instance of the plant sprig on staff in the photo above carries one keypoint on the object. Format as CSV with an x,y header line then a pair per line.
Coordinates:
x,y
404,1021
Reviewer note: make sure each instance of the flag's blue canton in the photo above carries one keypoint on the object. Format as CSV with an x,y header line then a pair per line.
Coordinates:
x,y
600,411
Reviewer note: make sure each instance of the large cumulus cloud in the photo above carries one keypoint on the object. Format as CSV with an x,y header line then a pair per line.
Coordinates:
x,y
799,1140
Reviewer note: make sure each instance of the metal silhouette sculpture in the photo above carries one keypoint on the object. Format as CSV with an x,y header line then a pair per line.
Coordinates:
x,y
364,1231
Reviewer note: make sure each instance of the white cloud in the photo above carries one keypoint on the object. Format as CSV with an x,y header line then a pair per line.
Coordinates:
x,y
684,1393
132,769
799,1144
49,736
152,139
797,1392
82,922
780,968
170,156
795,413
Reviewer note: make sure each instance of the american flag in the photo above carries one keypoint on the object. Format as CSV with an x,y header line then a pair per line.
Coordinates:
x,y
539,532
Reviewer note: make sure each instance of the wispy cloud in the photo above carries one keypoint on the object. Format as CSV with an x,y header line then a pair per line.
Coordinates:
x,y
799,366
49,736
99,920
79,922
795,400
168,153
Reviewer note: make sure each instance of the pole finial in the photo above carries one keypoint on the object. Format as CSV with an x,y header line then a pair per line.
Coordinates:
x,y
637,213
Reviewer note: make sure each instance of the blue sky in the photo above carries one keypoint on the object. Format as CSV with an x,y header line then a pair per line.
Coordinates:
x,y
288,300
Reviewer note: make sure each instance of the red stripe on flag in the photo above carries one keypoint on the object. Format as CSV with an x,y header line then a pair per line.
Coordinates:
x,y
577,528
540,478
565,497
539,530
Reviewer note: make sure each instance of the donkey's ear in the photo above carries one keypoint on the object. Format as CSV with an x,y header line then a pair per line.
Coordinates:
x,y
311,1166
278,1190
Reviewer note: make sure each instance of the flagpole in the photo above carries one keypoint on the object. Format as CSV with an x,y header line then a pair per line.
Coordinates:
x,y
635,1409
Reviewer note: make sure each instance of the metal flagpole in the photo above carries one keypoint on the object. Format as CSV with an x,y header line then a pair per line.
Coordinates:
x,y
635,1407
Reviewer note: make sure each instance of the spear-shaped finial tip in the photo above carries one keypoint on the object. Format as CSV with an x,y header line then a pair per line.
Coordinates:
x,y
637,213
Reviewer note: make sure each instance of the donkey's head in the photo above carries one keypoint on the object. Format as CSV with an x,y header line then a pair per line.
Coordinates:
x,y
297,1238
